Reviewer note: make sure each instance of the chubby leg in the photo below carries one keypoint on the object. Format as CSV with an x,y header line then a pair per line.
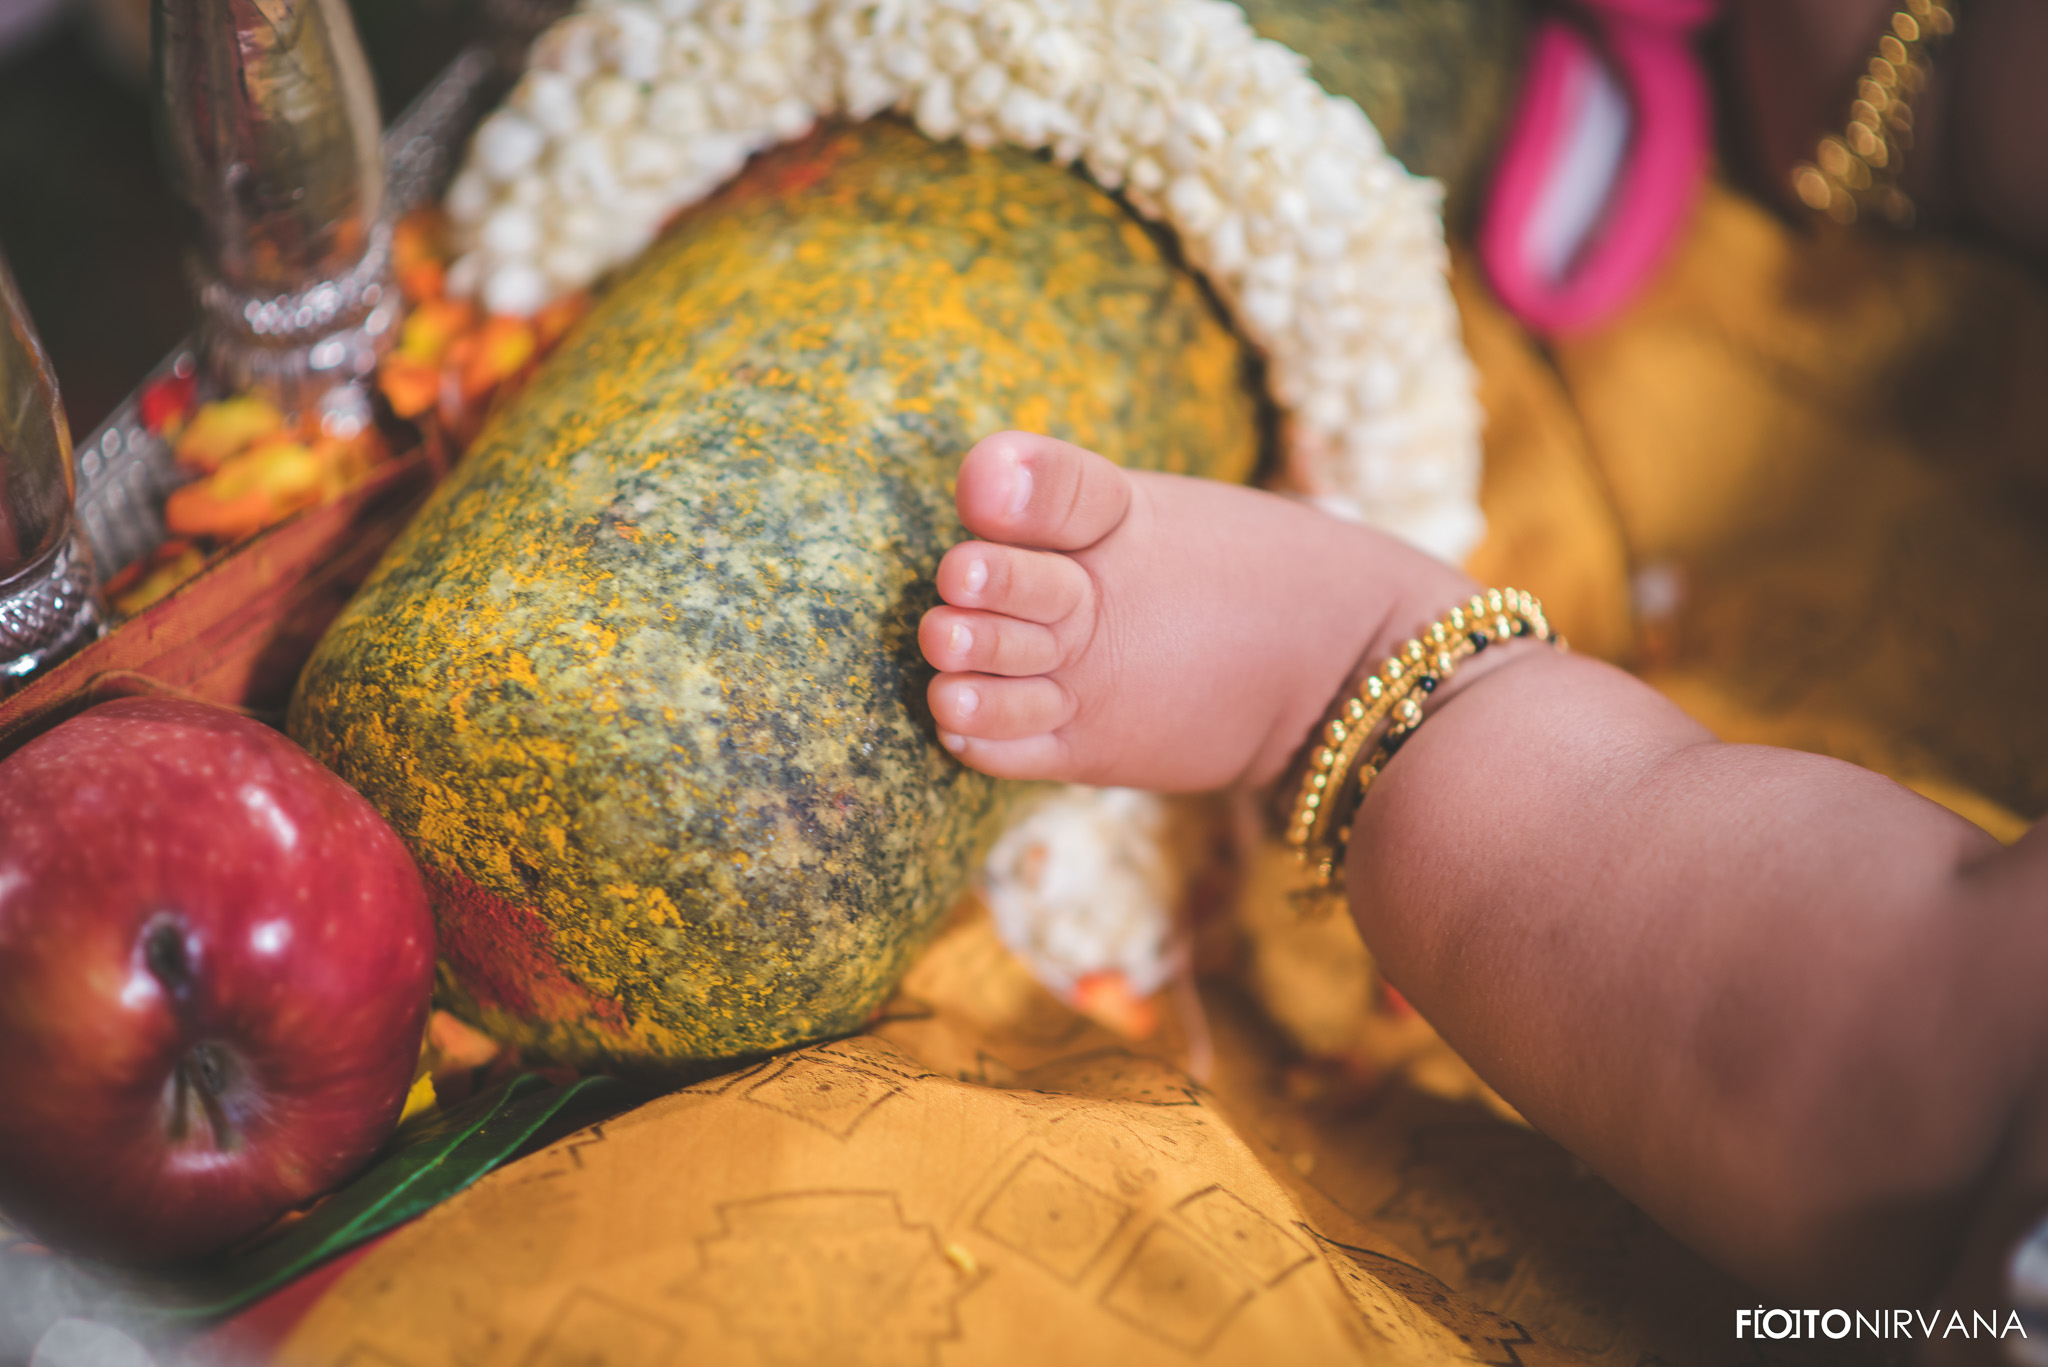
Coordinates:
x,y
1793,1009
1151,630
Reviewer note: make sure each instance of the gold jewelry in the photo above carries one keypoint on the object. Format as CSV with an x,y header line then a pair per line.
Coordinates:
x,y
1319,826
1857,171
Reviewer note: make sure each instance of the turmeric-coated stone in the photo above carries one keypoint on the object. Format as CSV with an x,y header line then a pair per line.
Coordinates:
x,y
641,684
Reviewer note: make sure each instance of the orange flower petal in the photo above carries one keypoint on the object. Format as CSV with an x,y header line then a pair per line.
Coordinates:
x,y
161,575
431,326
421,235
1107,997
409,386
422,280
223,429
196,510
503,345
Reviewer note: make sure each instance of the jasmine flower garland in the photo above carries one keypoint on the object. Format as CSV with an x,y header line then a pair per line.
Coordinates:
x,y
1328,254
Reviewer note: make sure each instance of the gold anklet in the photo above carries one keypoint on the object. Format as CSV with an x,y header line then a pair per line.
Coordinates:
x,y
1857,171
1392,695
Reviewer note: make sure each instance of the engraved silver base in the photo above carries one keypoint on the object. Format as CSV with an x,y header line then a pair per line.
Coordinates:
x,y
125,471
310,351
48,611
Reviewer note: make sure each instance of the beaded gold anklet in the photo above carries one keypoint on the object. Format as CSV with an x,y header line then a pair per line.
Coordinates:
x,y
1857,170
1392,695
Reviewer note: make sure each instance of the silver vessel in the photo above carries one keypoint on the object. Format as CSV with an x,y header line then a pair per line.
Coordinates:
x,y
268,125
48,606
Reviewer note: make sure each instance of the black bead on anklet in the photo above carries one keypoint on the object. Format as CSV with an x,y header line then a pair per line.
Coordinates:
x,y
1341,762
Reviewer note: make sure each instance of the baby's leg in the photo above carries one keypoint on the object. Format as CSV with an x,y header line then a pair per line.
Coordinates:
x,y
1151,630
1794,1010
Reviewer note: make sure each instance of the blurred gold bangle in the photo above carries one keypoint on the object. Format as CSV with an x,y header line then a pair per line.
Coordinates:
x,y
1856,172
1319,823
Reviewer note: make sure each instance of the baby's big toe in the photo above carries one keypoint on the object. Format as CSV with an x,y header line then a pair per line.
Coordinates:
x,y
1032,490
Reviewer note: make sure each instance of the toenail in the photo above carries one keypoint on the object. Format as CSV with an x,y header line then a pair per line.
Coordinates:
x,y
962,639
953,741
1020,487
977,575
966,701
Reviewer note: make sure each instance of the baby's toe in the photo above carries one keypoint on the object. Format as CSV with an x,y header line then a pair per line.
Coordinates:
x,y
989,708
1034,757
1031,490
986,643
1032,586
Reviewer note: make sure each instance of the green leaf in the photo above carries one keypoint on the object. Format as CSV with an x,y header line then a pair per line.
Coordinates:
x,y
435,1162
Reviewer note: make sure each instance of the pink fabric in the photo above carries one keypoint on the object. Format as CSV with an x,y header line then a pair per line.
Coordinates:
x,y
1648,44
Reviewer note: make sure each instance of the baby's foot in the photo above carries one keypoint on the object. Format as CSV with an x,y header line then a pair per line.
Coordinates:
x,y
1154,631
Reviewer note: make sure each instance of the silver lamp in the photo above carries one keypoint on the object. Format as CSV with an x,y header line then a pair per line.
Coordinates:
x,y
268,123
48,606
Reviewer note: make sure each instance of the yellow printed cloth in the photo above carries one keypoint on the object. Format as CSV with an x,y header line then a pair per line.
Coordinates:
x,y
1799,487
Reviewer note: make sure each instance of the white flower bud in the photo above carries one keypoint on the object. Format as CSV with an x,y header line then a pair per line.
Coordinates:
x,y
677,110
1023,118
790,118
570,267
1274,271
869,91
741,25
910,63
512,230
551,100
1326,409
718,155
1105,169
465,274
581,226
1377,386
570,48
691,55
762,74
469,196
1227,250
649,156
611,102
732,108
983,92
1006,27
936,116
1194,205
515,288
581,167
954,48
530,189
506,144
1267,312
636,41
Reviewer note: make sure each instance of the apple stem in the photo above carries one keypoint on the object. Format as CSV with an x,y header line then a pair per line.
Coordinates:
x,y
203,1077
198,1083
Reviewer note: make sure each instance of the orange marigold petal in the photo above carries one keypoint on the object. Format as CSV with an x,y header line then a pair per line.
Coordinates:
x,y
431,326
503,345
409,386
224,428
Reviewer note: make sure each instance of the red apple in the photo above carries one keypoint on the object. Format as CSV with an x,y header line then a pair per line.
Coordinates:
x,y
215,963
